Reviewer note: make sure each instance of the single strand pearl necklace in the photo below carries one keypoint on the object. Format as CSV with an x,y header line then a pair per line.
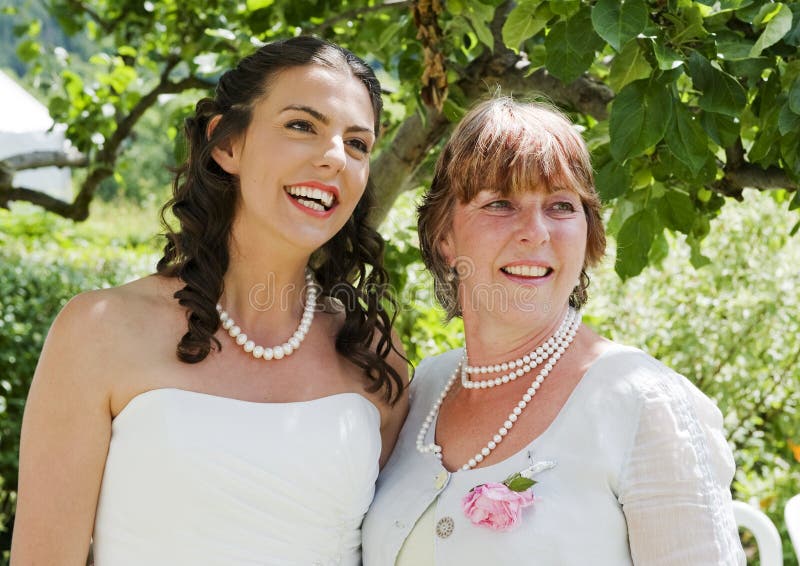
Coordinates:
x,y
518,367
563,344
288,347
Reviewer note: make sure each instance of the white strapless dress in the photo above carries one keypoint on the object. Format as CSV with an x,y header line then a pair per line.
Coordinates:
x,y
198,480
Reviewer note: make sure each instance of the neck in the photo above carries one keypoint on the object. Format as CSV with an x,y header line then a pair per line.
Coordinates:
x,y
264,286
491,341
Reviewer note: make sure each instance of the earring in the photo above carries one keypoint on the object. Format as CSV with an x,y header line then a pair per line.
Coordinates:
x,y
450,276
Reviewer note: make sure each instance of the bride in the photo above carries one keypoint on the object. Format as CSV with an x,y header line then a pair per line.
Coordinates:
x,y
233,408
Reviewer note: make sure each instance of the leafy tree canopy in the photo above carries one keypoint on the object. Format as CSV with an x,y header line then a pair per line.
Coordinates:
x,y
683,103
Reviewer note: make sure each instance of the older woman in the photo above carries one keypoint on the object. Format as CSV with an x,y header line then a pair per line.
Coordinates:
x,y
628,458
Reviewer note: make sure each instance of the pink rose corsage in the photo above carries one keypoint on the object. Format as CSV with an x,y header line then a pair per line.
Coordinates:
x,y
499,506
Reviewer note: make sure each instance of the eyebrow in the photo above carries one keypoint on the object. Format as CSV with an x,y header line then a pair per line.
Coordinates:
x,y
317,115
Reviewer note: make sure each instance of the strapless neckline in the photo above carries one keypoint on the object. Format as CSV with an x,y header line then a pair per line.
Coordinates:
x,y
144,396
194,478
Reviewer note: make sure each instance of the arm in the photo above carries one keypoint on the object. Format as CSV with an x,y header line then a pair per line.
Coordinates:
x,y
675,488
65,435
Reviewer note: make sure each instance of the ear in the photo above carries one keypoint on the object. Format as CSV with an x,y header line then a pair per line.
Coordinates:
x,y
447,249
225,153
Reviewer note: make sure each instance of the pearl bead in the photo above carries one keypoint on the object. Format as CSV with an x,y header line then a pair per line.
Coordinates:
x,y
258,351
241,339
227,324
287,349
235,331
268,354
249,346
562,339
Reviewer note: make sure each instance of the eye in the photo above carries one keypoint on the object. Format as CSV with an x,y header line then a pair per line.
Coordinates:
x,y
564,206
300,126
498,205
359,145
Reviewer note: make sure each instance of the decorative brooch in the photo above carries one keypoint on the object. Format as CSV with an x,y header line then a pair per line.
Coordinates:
x,y
499,506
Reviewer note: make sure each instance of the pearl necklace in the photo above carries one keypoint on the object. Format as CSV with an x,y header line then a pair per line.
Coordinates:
x,y
566,340
288,347
520,366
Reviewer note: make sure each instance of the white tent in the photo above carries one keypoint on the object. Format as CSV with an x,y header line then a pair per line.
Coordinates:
x,y
25,125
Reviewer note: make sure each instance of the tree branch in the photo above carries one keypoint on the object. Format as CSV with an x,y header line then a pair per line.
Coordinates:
x,y
36,159
8,194
749,176
104,162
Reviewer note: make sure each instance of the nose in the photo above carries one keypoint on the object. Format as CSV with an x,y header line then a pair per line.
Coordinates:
x,y
333,155
532,228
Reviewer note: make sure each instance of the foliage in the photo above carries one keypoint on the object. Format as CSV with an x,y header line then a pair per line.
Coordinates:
x,y
37,276
704,95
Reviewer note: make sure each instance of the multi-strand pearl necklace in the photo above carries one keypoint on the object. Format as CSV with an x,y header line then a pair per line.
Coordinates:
x,y
288,347
561,345
520,366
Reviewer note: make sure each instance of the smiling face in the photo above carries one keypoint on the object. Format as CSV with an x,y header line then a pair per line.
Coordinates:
x,y
303,163
519,254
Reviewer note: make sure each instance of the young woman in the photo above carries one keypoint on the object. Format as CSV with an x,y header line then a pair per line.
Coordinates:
x,y
234,407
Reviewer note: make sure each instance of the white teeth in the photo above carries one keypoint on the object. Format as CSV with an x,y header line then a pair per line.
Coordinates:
x,y
313,193
313,205
526,270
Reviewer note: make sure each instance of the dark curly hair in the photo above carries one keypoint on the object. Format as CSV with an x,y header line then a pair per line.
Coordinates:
x,y
348,268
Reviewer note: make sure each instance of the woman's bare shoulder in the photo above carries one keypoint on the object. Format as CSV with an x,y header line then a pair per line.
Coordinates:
x,y
99,321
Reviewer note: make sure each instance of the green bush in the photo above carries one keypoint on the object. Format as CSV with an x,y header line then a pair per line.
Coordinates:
x,y
43,262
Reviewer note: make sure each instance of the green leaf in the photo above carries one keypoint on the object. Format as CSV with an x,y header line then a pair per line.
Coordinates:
x,y
520,484
697,259
565,8
640,114
677,211
479,15
571,47
686,138
28,50
619,21
633,243
522,23
612,180
731,46
389,33
794,96
628,66
788,121
666,58
720,92
779,23
723,130
253,5
659,250
795,204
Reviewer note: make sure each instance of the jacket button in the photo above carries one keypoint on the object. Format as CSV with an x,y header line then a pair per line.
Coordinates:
x,y
444,527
